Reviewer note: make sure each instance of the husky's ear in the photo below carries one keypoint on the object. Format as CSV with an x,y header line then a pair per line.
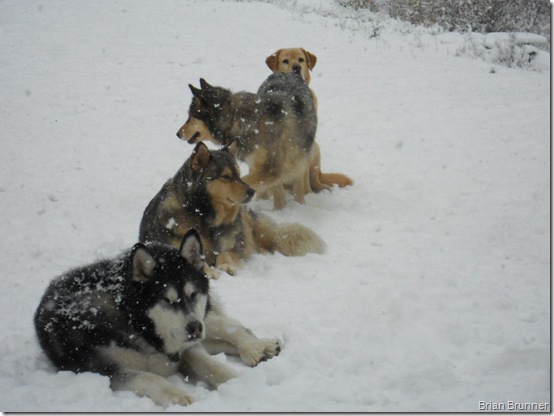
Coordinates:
x,y
200,158
191,249
195,91
204,84
143,263
311,59
233,148
273,60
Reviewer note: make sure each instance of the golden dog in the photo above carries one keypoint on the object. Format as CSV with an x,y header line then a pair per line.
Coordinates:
x,y
302,62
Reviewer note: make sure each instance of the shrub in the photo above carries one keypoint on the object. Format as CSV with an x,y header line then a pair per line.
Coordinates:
x,y
482,16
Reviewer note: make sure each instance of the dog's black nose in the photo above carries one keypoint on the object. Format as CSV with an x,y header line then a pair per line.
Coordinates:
x,y
296,68
194,330
249,194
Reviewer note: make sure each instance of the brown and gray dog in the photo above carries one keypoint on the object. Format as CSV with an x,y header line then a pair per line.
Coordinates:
x,y
207,194
274,129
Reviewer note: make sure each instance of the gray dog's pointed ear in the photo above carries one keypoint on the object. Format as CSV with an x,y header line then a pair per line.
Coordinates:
x,y
204,84
195,91
143,263
191,249
200,158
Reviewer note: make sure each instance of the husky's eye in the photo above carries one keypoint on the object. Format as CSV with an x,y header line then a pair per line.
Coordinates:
x,y
172,300
227,177
193,296
286,61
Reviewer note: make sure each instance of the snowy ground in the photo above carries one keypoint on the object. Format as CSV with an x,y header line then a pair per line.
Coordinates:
x,y
434,292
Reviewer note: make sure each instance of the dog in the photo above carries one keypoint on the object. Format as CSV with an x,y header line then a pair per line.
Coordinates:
x,y
297,60
302,62
208,194
141,317
274,128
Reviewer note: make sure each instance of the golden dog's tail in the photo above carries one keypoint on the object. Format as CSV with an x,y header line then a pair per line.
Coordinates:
x,y
290,239
320,181
335,179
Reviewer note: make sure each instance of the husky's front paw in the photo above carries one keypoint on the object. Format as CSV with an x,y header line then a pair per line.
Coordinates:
x,y
260,350
170,395
272,347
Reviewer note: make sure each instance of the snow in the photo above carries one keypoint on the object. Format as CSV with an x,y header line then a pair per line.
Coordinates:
x,y
519,38
433,294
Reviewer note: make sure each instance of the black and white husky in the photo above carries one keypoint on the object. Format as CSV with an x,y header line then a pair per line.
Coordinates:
x,y
141,317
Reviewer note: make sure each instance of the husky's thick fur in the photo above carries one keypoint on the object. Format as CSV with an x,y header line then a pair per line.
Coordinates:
x,y
301,61
207,194
141,317
274,128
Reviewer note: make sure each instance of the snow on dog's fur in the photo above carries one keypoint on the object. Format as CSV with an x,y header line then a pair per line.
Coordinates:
x,y
141,317
208,194
274,128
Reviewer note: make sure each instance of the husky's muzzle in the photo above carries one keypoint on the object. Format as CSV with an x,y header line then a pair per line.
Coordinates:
x,y
194,332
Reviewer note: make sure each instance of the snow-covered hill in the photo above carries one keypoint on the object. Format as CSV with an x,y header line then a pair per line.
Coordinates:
x,y
434,291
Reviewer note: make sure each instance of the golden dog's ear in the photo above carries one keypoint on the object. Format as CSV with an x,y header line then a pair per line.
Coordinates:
x,y
311,59
273,60
200,158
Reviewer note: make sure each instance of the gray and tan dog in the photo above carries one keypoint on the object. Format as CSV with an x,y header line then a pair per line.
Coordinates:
x,y
274,129
208,194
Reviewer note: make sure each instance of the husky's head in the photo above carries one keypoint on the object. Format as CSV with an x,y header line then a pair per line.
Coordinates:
x,y
215,177
206,114
170,294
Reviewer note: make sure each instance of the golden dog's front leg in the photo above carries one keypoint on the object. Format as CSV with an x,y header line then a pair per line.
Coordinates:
x,y
299,190
315,168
